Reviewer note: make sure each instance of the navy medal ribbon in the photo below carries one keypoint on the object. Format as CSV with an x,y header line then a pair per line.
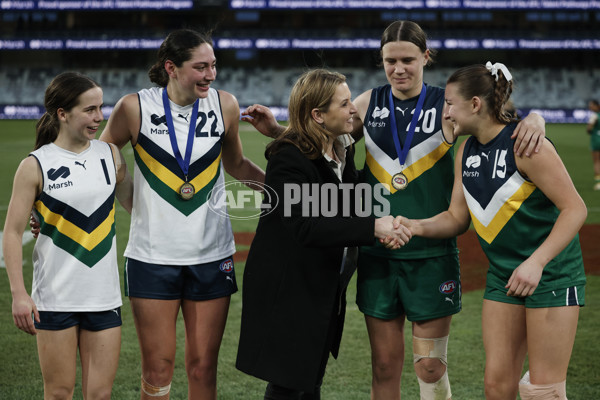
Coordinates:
x,y
399,180
187,189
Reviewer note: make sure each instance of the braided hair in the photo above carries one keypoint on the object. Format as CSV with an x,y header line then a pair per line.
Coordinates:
x,y
489,83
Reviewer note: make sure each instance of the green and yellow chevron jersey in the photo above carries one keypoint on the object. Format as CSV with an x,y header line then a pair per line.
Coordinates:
x,y
166,229
163,174
511,215
75,262
87,238
429,167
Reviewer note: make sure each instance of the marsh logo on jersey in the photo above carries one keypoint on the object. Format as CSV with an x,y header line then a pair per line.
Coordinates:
x,y
473,161
380,113
226,266
448,287
62,172
156,120
54,174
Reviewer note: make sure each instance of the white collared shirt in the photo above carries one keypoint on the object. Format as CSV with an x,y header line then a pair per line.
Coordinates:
x,y
339,147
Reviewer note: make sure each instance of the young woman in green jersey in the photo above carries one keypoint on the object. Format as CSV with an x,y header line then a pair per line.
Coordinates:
x,y
421,281
527,214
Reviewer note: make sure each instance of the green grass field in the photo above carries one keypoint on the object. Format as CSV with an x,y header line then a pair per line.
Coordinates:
x,y
349,376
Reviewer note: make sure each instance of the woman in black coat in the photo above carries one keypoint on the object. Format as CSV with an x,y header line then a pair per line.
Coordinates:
x,y
295,279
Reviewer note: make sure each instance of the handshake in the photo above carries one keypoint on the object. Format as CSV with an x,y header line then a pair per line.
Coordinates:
x,y
392,232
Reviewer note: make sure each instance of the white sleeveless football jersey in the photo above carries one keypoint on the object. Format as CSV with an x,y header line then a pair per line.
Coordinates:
x,y
74,259
165,228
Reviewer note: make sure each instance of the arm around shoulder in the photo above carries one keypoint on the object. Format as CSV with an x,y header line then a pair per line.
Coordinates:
x,y
124,187
234,161
124,123
263,120
362,105
529,135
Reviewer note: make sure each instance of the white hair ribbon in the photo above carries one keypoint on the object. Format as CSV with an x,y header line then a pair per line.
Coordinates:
x,y
498,66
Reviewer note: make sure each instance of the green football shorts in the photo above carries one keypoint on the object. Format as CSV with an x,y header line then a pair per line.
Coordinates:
x,y
595,142
570,296
421,289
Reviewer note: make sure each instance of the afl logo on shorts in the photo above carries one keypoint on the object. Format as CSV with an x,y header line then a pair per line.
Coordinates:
x,y
448,287
226,266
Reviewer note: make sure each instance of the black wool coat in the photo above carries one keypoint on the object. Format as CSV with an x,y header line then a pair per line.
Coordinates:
x,y
293,295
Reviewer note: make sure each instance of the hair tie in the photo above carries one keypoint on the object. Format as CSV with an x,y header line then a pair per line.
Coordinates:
x,y
498,66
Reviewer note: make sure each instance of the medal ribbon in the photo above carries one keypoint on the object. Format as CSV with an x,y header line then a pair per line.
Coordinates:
x,y
184,164
403,152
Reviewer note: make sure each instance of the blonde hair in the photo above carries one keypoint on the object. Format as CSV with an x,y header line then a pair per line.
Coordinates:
x,y
314,89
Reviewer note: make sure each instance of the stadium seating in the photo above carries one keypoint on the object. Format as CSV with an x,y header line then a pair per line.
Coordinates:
x,y
534,88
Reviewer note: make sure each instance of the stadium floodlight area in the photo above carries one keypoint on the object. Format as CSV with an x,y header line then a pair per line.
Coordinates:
x,y
97,5
301,44
302,4
416,4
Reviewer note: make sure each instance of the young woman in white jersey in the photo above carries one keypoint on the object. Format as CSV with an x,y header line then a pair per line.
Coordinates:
x,y
183,134
70,180
536,283
421,275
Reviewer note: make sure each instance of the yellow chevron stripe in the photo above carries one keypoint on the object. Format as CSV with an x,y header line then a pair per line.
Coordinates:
x,y
510,207
425,163
87,240
172,180
378,171
413,171
207,175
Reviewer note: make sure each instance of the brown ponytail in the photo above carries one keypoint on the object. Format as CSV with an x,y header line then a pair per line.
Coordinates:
x,y
46,130
177,47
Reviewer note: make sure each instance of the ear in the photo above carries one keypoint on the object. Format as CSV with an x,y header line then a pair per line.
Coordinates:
x,y
315,113
61,114
426,58
476,104
170,68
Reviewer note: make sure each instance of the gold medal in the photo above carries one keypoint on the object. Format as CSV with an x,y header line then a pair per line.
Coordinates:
x,y
399,181
187,191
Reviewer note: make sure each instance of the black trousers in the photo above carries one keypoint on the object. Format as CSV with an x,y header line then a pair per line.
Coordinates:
x,y
276,392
